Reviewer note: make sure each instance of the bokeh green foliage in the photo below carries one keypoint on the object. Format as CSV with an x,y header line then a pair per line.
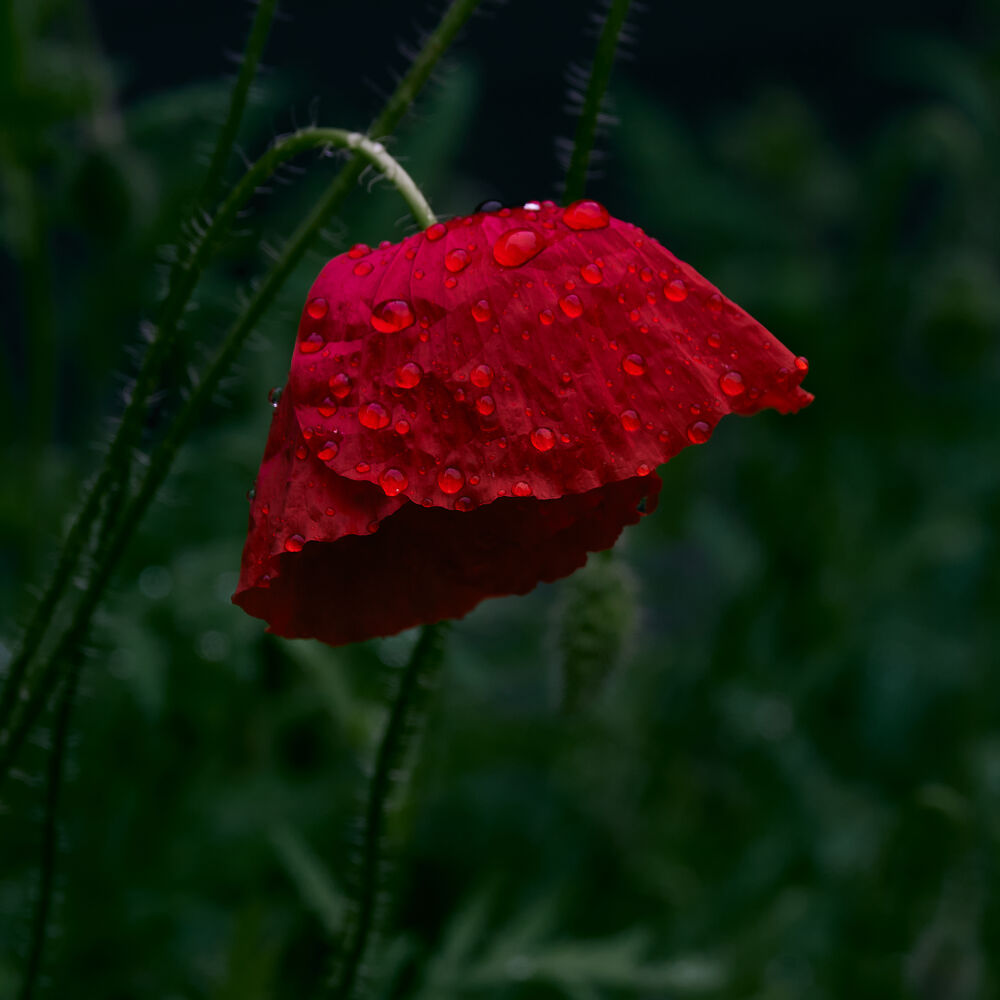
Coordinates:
x,y
791,784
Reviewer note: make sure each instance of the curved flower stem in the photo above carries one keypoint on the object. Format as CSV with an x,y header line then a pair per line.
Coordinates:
x,y
238,98
57,757
600,76
401,729
187,276
366,150
405,93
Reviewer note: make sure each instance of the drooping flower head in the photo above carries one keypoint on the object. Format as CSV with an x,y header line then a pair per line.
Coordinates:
x,y
471,411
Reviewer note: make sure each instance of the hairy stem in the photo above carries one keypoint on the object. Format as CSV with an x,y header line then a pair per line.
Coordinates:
x,y
186,278
238,99
128,516
402,727
46,880
600,76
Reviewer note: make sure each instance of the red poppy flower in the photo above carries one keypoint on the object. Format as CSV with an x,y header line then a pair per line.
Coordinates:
x,y
474,409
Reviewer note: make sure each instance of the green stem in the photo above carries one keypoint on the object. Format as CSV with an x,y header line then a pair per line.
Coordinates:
x,y
238,99
402,727
126,519
46,880
600,76
435,46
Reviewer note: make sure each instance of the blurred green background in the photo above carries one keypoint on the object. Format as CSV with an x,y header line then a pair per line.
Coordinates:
x,y
791,786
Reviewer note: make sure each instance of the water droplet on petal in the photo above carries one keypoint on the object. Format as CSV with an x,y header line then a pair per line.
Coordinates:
x,y
634,364
313,343
714,302
456,260
317,308
714,340
591,273
328,451
274,396
436,231
408,375
490,205
517,247
392,316
359,250
543,439
340,385
642,469
362,268
676,290
546,317
802,364
451,480
464,504
630,420
481,311
393,482
586,215
481,376
532,206
362,467
699,432
732,384
402,427
571,305
486,405
294,543
301,452
373,416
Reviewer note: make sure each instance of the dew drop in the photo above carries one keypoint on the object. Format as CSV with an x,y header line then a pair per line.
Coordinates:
x,y
521,489
362,467
490,205
359,250
456,260
481,311
543,439
362,268
802,364
731,383
317,308
676,290
642,469
450,281
340,385
392,316
714,302
274,396
300,452
546,317
630,420
714,340
591,273
634,364
313,343
451,480
586,215
486,405
328,451
402,427
393,482
571,305
517,247
481,376
408,375
294,543
436,231
330,512
373,416
464,504
699,432
646,274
